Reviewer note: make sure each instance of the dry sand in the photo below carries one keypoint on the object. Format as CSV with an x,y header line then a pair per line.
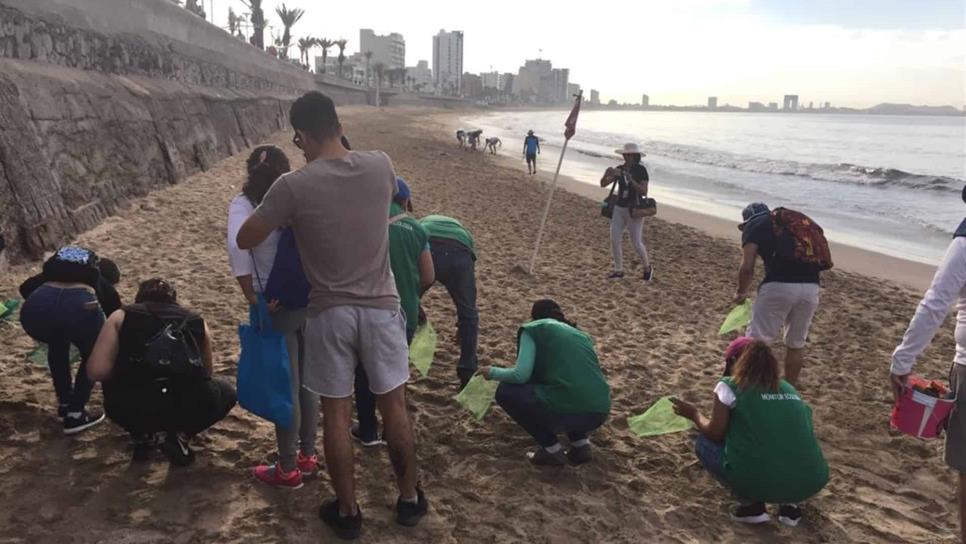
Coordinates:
x,y
653,340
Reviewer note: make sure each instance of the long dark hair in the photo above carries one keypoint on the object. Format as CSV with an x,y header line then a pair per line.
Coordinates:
x,y
265,165
757,368
549,309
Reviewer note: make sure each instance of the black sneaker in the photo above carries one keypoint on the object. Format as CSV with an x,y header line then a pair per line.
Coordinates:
x,y
175,448
366,441
649,274
62,410
616,276
580,455
408,513
346,528
542,457
74,425
789,514
751,513
142,447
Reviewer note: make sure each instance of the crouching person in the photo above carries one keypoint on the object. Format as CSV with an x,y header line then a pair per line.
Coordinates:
x,y
154,358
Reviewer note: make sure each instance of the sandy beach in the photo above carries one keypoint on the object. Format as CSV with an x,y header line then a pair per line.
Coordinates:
x,y
653,340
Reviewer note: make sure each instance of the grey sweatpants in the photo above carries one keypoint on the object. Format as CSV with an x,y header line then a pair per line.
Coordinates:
x,y
619,222
305,417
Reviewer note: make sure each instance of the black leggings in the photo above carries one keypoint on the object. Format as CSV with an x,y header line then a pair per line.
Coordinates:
x,y
187,408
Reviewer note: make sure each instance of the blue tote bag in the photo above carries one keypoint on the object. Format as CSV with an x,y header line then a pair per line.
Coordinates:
x,y
264,380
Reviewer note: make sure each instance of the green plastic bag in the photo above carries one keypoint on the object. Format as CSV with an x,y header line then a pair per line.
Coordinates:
x,y
658,419
39,355
477,396
423,348
8,308
739,318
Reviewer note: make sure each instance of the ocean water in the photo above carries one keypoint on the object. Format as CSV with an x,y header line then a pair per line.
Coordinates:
x,y
890,184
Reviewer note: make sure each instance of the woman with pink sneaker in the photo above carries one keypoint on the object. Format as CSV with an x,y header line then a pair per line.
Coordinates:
x,y
253,269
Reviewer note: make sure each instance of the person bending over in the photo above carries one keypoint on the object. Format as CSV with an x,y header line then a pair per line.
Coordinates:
x,y
556,386
154,358
66,304
759,441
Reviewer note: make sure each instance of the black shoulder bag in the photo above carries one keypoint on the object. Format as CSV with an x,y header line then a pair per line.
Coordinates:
x,y
607,206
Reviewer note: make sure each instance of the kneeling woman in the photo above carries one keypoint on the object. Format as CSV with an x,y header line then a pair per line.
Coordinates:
x,y
155,360
759,442
555,387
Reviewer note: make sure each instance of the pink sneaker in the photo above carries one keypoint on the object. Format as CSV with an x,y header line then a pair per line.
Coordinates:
x,y
308,465
273,476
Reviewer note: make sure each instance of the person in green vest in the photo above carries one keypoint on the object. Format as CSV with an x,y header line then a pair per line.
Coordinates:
x,y
759,441
454,260
556,386
412,267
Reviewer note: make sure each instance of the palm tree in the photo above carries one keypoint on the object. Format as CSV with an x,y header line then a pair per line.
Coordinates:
x,y
304,45
325,44
258,22
289,17
341,45
368,55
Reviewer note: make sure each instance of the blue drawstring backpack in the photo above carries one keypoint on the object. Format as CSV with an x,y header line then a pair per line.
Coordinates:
x,y
287,283
264,380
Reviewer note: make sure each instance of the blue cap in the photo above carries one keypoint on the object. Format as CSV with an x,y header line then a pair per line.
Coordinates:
x,y
751,211
402,190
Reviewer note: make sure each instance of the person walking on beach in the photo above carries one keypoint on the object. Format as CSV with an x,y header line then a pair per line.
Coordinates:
x,y
789,293
759,442
555,387
253,270
454,261
630,181
337,206
948,289
412,267
65,304
155,360
531,148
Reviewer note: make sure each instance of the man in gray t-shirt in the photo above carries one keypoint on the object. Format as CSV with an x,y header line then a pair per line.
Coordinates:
x,y
337,206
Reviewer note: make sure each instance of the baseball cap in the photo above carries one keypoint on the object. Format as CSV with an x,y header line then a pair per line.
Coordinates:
x,y
751,211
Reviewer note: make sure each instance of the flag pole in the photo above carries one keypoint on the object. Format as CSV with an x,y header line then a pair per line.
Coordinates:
x,y
571,127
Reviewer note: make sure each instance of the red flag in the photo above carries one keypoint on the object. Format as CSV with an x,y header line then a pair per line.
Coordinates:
x,y
571,123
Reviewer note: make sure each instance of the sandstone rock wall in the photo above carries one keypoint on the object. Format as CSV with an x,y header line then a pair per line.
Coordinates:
x,y
105,100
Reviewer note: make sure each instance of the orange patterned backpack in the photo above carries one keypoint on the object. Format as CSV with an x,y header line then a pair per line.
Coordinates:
x,y
799,239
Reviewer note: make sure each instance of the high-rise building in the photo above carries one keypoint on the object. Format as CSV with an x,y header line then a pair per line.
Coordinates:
x,y
421,76
572,90
645,100
559,82
790,103
532,78
594,96
389,50
712,102
492,80
448,61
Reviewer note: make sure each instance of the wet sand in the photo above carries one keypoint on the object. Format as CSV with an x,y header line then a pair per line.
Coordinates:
x,y
653,340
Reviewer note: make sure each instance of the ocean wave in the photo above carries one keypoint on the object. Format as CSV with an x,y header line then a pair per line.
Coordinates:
x,y
840,173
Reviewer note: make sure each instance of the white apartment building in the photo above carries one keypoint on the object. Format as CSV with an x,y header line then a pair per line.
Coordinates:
x,y
390,49
448,61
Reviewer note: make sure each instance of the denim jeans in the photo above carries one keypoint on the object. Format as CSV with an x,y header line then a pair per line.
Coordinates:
x,y
711,456
366,401
520,403
61,317
456,270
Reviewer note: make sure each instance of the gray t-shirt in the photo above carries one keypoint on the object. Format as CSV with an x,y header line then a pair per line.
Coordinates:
x,y
339,211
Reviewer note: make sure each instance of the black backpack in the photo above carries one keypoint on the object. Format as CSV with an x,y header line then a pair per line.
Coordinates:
x,y
173,352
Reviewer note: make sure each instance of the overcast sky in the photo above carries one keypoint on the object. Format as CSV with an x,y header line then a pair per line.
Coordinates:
x,y
848,52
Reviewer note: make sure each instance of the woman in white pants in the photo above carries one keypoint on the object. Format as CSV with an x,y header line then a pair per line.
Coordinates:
x,y
631,189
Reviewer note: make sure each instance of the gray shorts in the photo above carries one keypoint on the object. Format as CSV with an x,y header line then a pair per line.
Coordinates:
x,y
339,338
956,432
788,306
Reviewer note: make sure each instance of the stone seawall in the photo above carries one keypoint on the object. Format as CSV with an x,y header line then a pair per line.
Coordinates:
x,y
90,117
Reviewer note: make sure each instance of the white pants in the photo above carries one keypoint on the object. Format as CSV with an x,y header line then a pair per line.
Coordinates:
x,y
784,305
619,222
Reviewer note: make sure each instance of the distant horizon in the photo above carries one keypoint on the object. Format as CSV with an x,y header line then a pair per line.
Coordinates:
x,y
867,52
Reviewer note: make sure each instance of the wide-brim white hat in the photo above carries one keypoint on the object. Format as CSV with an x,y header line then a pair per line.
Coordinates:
x,y
630,149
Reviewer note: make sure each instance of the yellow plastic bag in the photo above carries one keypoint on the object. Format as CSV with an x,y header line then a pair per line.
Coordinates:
x,y
658,419
423,348
477,396
738,318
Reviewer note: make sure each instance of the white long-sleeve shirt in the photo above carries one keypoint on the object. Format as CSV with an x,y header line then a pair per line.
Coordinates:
x,y
241,261
948,288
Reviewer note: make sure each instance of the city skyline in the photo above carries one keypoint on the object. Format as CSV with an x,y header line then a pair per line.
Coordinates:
x,y
738,50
